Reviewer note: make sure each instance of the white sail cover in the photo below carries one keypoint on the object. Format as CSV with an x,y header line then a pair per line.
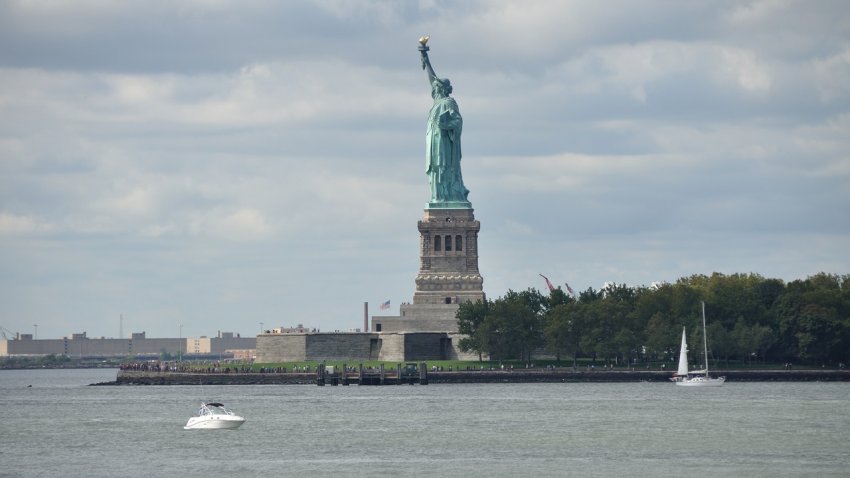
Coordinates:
x,y
683,356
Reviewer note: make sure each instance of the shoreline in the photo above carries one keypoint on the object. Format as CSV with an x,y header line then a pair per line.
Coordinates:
x,y
126,377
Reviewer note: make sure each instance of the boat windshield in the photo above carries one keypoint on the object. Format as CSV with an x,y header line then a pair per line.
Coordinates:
x,y
213,409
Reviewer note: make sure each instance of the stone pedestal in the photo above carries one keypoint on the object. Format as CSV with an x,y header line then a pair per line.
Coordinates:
x,y
448,258
448,273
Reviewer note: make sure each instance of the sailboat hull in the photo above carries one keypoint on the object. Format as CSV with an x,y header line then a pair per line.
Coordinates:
x,y
701,382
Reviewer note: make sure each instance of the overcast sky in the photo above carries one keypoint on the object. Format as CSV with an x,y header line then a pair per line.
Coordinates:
x,y
220,164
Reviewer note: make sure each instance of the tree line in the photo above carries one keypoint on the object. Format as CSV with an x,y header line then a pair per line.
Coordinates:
x,y
750,319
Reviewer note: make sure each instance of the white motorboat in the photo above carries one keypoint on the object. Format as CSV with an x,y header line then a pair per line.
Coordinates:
x,y
214,415
695,378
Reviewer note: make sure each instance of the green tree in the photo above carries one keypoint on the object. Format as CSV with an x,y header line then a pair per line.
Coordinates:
x,y
816,337
663,335
748,317
722,344
564,329
763,339
813,319
470,316
520,315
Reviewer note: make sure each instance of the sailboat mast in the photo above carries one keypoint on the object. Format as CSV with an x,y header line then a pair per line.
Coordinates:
x,y
704,338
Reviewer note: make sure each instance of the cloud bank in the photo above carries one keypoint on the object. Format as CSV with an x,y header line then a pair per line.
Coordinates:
x,y
220,164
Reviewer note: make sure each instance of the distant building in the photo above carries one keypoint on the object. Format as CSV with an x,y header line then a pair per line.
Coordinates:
x,y
78,345
299,329
200,345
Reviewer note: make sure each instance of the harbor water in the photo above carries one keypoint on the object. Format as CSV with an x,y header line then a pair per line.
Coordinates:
x,y
55,425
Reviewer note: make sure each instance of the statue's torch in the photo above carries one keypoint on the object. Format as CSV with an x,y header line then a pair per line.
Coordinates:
x,y
423,49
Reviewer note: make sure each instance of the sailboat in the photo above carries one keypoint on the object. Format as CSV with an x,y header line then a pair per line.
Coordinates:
x,y
695,378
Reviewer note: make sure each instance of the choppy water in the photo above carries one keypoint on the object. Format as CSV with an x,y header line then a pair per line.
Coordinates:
x,y
60,427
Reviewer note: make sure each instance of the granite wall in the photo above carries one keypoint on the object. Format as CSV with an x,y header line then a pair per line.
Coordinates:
x,y
388,347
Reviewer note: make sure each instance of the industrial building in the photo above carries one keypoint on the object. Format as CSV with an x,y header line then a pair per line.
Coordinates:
x,y
78,345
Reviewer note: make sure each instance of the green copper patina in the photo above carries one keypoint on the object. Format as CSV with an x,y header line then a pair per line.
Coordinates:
x,y
442,142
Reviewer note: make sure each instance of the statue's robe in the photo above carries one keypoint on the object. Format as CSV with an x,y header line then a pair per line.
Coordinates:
x,y
442,151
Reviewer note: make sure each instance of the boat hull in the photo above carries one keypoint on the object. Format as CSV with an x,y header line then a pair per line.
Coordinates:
x,y
701,382
215,422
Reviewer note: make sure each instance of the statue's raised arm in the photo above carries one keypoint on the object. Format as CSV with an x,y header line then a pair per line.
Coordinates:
x,y
442,141
426,63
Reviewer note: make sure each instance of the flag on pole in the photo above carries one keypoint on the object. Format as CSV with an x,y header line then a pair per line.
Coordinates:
x,y
385,305
548,283
570,289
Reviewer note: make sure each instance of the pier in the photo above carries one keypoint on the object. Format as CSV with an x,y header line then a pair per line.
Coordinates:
x,y
409,374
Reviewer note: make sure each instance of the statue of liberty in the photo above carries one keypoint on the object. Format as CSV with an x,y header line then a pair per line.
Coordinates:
x,y
442,142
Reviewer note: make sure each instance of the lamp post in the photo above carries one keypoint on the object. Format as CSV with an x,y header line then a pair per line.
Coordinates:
x,y
36,331
261,327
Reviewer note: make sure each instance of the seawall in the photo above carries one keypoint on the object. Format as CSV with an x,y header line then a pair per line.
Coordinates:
x,y
531,376
484,376
126,377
